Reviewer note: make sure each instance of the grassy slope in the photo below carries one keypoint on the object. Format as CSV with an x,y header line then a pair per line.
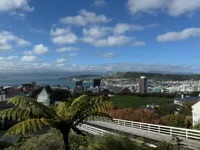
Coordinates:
x,y
123,101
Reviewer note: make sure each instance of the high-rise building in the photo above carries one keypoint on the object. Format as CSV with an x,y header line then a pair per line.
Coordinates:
x,y
96,82
143,85
79,88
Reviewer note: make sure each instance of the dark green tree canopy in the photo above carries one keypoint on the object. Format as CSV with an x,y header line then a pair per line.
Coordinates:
x,y
60,95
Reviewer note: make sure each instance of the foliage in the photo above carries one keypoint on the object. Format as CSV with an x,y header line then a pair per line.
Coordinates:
x,y
43,142
125,91
140,115
167,109
186,109
111,142
33,115
124,101
197,126
60,95
167,146
77,142
175,120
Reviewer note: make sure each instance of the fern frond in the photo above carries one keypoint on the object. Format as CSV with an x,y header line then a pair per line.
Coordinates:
x,y
25,126
62,110
37,109
86,106
15,114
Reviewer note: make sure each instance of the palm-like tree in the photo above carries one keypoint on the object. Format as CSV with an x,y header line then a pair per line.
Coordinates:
x,y
67,115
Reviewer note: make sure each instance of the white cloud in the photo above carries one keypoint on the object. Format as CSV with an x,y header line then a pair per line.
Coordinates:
x,y
138,43
59,65
60,60
96,32
84,18
108,55
171,7
8,41
38,50
110,36
108,41
121,28
99,3
15,7
180,7
63,36
72,54
93,32
23,67
28,58
177,36
145,6
67,49
8,58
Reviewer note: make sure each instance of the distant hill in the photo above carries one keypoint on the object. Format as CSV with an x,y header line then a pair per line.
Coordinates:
x,y
85,76
156,76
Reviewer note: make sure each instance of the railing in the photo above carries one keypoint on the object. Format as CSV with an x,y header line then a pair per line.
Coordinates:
x,y
97,131
173,131
93,130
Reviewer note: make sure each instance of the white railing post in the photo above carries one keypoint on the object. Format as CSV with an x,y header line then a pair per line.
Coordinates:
x,y
186,134
170,131
158,129
140,126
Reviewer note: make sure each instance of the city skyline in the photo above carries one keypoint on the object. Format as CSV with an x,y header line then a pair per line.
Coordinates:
x,y
99,36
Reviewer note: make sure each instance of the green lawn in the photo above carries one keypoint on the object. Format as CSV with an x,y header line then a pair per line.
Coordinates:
x,y
123,101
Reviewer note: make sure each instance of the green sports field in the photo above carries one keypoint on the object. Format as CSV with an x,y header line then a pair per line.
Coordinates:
x,y
123,101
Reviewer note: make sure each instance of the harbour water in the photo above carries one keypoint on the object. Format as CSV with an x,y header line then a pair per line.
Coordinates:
x,y
52,81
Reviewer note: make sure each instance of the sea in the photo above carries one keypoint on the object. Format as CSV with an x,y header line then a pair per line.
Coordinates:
x,y
52,81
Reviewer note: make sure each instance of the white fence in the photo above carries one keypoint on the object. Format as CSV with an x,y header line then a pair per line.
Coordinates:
x,y
173,131
93,130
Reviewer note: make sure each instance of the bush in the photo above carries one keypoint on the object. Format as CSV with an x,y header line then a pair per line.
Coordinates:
x,y
113,142
175,120
43,142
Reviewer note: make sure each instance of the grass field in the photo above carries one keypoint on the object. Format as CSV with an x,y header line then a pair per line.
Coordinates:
x,y
123,101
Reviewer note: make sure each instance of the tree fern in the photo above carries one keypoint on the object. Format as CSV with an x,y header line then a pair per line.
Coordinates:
x,y
65,116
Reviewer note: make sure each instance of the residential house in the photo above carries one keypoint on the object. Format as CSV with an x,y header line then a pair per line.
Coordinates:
x,y
196,113
181,100
12,92
44,97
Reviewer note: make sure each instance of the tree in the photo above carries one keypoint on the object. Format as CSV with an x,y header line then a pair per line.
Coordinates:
x,y
67,115
60,95
140,115
175,120
167,109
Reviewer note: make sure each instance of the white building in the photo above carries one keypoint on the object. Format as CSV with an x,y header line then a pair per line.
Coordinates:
x,y
44,97
196,113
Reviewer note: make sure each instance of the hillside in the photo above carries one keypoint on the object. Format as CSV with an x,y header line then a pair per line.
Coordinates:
x,y
156,76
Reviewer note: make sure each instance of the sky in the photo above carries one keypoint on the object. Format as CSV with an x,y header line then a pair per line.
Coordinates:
x,y
100,36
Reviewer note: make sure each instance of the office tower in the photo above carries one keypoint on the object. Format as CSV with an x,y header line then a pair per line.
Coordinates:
x,y
143,85
96,82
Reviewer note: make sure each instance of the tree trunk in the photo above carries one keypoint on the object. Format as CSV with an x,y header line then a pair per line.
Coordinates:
x,y
65,133
66,140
